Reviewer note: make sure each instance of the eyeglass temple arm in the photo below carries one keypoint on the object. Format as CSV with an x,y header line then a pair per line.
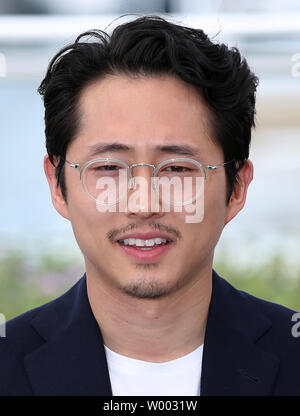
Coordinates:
x,y
213,167
131,181
72,165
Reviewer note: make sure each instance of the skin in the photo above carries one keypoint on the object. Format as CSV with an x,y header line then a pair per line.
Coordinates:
x,y
145,112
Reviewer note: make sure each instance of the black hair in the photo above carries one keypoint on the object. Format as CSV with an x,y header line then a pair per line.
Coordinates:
x,y
153,46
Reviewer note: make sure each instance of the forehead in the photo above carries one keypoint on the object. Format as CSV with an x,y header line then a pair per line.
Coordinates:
x,y
143,112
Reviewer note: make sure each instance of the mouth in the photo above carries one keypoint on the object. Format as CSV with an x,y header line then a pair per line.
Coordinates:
x,y
145,250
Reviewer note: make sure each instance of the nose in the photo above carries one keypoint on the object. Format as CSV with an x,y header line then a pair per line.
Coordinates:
x,y
142,199
132,180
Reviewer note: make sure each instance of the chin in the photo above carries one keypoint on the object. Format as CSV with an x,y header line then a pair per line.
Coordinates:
x,y
147,289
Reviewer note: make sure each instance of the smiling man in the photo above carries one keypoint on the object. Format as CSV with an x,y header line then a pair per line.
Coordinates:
x,y
154,101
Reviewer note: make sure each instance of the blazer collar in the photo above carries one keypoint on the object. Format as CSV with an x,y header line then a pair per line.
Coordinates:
x,y
233,363
72,359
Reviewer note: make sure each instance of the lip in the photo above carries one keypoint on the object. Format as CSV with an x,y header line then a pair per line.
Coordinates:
x,y
146,236
146,255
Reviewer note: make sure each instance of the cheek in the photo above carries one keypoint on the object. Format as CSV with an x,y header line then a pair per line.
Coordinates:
x,y
208,231
202,237
214,203
87,223
81,208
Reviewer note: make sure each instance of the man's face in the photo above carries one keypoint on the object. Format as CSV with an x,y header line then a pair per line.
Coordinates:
x,y
144,113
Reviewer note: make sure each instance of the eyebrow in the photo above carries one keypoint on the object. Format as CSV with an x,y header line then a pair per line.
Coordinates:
x,y
181,149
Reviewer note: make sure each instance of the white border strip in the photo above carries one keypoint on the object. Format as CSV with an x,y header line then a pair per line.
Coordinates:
x,y
32,28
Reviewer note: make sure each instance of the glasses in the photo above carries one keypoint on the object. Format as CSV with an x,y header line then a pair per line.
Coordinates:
x,y
176,181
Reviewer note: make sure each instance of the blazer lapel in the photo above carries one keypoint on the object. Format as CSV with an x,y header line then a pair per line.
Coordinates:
x,y
72,360
233,363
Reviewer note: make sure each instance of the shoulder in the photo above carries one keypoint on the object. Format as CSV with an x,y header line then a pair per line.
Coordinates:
x,y
239,303
18,330
280,315
275,327
249,305
282,338
19,337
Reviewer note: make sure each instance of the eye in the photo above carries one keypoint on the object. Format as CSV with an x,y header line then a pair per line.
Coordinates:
x,y
178,169
107,167
111,167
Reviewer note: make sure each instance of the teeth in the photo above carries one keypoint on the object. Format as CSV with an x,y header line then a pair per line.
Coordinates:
x,y
141,243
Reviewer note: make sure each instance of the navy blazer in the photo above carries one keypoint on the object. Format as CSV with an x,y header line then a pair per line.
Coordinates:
x,y
57,348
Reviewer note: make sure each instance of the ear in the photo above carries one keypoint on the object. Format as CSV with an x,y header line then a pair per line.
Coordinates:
x,y
57,198
238,197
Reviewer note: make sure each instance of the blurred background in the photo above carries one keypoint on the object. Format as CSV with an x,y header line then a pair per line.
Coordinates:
x,y
258,250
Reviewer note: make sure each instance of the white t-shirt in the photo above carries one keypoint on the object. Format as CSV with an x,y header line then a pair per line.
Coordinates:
x,y
131,377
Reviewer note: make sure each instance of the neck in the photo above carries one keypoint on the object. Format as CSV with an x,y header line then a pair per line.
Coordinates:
x,y
154,330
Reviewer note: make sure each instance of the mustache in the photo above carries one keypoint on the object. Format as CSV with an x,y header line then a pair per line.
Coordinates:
x,y
113,233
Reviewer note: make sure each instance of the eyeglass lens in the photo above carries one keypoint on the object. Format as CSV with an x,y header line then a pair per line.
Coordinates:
x,y
177,183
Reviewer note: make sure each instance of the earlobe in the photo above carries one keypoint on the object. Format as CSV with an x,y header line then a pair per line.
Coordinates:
x,y
56,195
239,194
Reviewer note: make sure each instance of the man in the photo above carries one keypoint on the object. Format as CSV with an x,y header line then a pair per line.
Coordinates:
x,y
154,101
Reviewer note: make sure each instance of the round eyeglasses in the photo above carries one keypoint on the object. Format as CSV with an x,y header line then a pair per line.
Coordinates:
x,y
176,181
